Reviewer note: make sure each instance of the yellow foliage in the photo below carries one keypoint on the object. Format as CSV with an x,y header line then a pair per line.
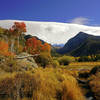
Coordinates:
x,y
43,84
71,91
50,82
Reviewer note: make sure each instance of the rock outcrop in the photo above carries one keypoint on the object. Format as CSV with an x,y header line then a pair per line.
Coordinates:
x,y
26,60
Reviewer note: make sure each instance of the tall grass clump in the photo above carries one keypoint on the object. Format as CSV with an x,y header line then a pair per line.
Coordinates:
x,y
71,91
42,84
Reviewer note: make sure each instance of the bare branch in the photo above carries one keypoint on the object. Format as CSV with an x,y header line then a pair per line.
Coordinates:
x,y
27,56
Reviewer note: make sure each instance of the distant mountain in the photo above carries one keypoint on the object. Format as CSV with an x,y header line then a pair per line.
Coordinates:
x,y
82,44
53,32
58,45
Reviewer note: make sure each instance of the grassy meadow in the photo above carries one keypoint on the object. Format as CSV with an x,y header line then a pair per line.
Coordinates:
x,y
82,65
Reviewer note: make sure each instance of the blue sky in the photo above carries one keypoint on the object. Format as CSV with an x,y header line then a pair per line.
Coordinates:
x,y
75,11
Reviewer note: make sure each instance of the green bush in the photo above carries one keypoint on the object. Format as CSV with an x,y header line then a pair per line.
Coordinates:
x,y
44,59
9,65
89,58
84,59
65,60
97,57
55,63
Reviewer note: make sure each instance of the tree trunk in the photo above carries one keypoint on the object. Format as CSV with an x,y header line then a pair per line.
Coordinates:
x,y
12,45
18,41
6,38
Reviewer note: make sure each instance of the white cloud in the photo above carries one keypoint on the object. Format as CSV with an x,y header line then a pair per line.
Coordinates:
x,y
80,20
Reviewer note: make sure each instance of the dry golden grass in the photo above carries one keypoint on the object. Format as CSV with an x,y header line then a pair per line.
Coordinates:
x,y
82,65
56,84
71,91
95,85
85,63
45,84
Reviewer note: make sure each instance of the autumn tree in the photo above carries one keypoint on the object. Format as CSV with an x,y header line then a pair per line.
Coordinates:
x,y
46,47
4,49
33,46
15,32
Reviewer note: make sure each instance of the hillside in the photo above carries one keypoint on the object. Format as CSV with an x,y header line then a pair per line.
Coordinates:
x,y
30,36
82,44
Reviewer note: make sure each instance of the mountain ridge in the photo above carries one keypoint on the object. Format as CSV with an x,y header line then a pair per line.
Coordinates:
x,y
82,44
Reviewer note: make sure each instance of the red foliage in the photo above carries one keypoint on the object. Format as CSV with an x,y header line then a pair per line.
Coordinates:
x,y
32,42
34,45
18,28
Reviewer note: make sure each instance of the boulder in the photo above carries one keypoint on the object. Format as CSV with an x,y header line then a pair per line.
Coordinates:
x,y
25,61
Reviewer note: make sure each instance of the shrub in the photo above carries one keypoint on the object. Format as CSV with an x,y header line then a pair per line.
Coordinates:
x,y
55,63
84,59
42,84
71,91
4,49
50,85
9,65
97,58
44,59
18,86
65,60
94,84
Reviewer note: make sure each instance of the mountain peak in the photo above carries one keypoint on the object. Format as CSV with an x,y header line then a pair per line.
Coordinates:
x,y
79,42
82,34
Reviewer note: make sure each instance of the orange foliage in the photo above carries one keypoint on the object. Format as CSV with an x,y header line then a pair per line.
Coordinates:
x,y
34,45
46,47
4,49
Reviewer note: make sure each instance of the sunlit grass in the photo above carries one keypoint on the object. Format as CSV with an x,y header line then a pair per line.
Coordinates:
x,y
82,65
43,84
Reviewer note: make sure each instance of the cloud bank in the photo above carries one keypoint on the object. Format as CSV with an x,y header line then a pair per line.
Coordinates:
x,y
52,32
80,20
